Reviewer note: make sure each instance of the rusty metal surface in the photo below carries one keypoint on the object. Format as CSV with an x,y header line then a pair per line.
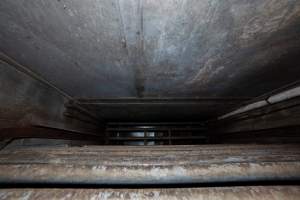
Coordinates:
x,y
151,165
225,193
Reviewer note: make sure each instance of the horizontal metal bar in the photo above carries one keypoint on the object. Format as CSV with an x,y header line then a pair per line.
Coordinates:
x,y
158,138
225,193
151,165
157,124
154,129
161,100
47,132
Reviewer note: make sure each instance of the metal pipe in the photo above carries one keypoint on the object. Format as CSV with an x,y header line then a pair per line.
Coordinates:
x,y
150,165
225,193
283,96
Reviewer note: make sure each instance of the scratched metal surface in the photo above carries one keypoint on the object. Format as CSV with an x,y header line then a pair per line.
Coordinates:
x,y
24,100
150,165
226,193
162,48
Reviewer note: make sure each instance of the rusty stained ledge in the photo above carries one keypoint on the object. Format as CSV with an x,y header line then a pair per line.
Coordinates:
x,y
226,193
151,165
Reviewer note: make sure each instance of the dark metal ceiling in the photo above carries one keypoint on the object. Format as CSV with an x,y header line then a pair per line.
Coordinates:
x,y
156,48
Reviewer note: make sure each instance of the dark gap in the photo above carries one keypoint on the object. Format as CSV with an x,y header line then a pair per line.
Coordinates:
x,y
151,186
